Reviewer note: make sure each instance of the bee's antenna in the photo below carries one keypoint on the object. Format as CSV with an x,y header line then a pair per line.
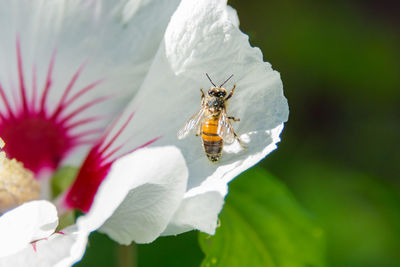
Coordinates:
x,y
226,80
210,80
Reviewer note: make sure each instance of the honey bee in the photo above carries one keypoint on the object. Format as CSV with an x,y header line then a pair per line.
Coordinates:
x,y
212,121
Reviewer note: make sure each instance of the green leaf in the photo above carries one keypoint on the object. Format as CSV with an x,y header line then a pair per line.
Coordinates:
x,y
323,45
359,212
101,251
178,251
263,225
62,179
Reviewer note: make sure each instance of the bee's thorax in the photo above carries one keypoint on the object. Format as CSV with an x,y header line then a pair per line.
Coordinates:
x,y
215,104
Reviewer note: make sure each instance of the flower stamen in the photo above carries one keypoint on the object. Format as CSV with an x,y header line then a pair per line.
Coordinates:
x,y
17,184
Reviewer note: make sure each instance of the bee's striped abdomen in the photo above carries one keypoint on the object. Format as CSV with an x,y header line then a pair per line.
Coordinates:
x,y
212,143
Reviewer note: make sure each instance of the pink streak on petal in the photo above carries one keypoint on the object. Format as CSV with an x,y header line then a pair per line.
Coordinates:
x,y
81,194
94,170
48,82
21,77
80,135
84,142
83,108
112,152
5,101
83,91
34,88
67,90
117,134
34,246
72,82
15,98
130,151
82,122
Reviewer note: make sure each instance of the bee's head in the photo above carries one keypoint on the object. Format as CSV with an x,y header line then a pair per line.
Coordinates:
x,y
217,92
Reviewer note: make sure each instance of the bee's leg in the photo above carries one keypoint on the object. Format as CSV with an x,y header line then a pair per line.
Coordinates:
x,y
202,97
198,132
234,119
240,141
202,93
231,93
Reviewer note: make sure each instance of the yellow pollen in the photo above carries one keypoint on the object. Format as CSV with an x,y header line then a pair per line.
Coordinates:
x,y
17,184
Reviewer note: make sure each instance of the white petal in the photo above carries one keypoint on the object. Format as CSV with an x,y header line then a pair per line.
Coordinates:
x,y
30,221
203,37
59,250
233,16
197,212
141,192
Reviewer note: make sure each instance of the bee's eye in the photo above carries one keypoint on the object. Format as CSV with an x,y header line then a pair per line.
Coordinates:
x,y
211,93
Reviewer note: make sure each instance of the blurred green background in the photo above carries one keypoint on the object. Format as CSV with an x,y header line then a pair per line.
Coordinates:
x,y
332,189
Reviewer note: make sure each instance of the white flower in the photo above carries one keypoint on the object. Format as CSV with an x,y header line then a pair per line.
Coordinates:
x,y
61,60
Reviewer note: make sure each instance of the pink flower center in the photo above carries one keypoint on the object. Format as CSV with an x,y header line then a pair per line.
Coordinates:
x,y
35,141
36,135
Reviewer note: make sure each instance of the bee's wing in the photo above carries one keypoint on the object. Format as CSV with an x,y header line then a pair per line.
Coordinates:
x,y
225,130
191,124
